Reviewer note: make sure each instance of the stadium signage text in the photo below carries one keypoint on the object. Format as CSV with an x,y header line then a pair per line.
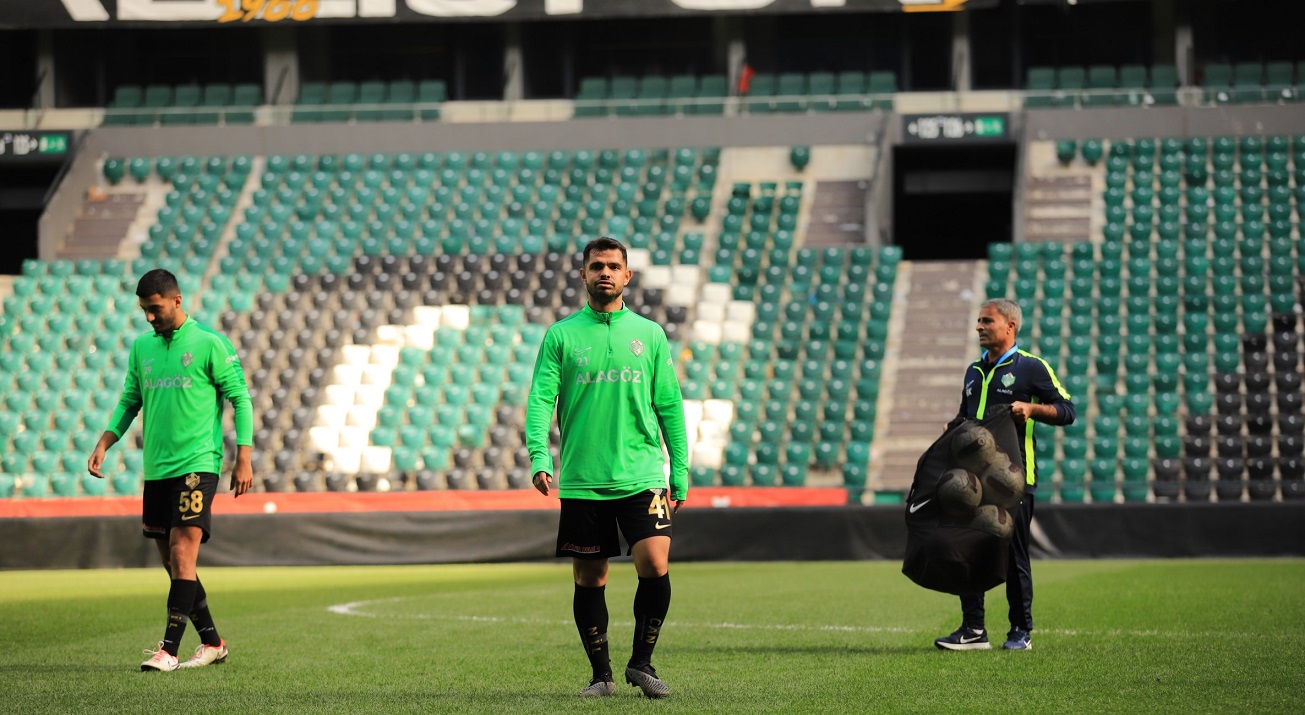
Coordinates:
x,y
56,13
946,128
34,146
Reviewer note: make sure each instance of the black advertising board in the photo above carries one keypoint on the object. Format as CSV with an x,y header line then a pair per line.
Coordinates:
x,y
155,13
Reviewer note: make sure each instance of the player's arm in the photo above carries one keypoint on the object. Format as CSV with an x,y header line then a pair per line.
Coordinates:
x,y
668,403
129,405
1053,406
229,376
540,405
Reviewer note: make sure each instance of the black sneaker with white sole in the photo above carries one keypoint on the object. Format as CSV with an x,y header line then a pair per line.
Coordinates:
x,y
964,639
645,678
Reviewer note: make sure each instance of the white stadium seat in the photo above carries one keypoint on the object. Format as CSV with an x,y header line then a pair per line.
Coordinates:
x,y
744,311
381,375
715,312
457,317
718,411
372,396
717,293
340,395
331,416
354,437
323,439
363,416
707,332
346,461
733,331
375,460
387,355
656,277
427,315
419,336
639,260
389,335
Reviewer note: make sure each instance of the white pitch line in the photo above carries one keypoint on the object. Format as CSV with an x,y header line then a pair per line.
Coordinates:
x,y
356,608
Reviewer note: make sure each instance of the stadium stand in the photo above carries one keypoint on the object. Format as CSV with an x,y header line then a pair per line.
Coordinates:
x,y
767,93
183,104
388,339
1101,86
1179,323
374,101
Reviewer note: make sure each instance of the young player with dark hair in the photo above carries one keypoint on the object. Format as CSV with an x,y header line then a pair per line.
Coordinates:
x,y
180,374
608,373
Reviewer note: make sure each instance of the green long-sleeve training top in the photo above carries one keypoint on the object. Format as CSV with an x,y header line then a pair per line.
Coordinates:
x,y
181,383
612,379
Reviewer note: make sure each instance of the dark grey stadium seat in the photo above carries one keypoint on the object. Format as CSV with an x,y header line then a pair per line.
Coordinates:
x,y
336,482
488,478
1229,424
1197,468
459,478
1227,382
1260,468
306,482
428,480
1261,489
519,478
462,458
494,457
1197,424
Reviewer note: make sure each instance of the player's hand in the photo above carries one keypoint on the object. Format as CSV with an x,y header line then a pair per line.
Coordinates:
x,y
242,477
1021,410
542,482
676,504
95,462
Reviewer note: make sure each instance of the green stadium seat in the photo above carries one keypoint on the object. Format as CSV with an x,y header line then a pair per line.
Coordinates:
x,y
1163,87
1101,82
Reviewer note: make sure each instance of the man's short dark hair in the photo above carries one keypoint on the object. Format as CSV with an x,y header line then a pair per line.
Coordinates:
x,y
606,243
157,282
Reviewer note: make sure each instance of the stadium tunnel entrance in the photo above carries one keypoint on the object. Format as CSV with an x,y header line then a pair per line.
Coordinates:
x,y
951,202
23,189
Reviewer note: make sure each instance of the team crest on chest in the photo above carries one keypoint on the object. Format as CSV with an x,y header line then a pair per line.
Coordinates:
x,y
636,347
187,359
1007,380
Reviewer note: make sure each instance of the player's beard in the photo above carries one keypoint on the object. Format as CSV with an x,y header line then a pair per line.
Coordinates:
x,y
602,295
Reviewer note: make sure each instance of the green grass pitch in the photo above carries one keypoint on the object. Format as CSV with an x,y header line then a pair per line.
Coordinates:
x,y
1113,636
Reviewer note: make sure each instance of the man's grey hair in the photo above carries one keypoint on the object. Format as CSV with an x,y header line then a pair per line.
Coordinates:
x,y
1009,309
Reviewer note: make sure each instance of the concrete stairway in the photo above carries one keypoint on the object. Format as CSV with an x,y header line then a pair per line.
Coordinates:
x,y
930,342
101,226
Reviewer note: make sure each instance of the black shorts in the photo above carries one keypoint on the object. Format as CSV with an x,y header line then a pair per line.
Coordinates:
x,y
178,501
587,529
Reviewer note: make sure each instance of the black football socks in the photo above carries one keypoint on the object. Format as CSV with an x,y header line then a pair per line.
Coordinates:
x,y
651,601
590,607
202,619
181,599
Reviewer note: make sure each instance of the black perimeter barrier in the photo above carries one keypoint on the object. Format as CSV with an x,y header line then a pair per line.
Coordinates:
x,y
702,534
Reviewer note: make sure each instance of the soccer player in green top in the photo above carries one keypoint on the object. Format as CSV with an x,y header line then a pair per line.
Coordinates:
x,y
610,376
180,373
